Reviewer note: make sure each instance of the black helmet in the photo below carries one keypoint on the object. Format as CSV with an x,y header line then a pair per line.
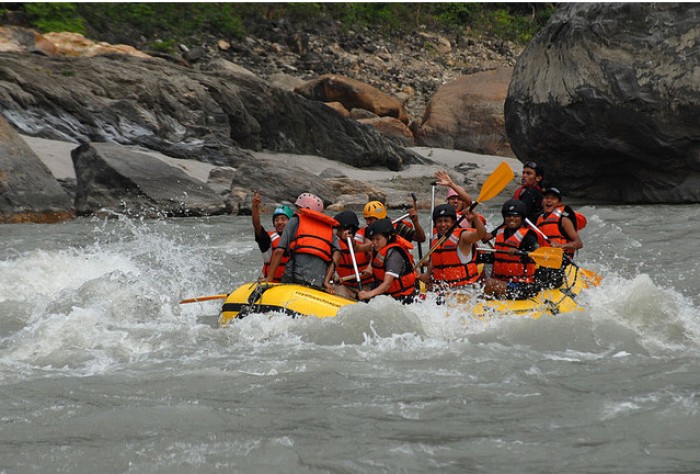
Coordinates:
x,y
514,207
347,219
552,190
444,210
381,226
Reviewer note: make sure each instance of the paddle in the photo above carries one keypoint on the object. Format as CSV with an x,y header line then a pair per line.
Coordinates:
x,y
589,275
415,206
494,184
354,263
197,299
544,236
400,218
548,257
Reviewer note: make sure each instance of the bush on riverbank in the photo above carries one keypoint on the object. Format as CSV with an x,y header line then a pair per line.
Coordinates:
x,y
134,23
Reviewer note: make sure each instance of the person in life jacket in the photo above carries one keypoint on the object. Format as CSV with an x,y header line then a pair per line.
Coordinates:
x,y
457,197
454,262
560,224
308,241
392,264
340,278
268,240
530,192
513,276
409,228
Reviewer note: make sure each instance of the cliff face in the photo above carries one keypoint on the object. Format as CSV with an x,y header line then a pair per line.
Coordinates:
x,y
606,97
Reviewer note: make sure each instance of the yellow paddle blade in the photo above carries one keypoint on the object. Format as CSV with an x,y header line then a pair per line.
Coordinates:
x,y
197,299
590,276
496,182
548,257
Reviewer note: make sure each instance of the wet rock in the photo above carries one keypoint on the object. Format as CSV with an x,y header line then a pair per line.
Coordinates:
x,y
113,179
606,97
220,179
28,190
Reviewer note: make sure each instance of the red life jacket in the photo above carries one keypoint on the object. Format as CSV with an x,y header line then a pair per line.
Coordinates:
x,y
345,267
512,267
274,242
314,235
404,285
447,266
522,188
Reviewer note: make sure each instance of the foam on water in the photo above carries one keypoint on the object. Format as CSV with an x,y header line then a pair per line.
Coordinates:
x,y
111,301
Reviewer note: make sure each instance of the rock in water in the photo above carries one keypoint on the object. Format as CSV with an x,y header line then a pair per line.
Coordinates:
x,y
28,190
113,179
606,96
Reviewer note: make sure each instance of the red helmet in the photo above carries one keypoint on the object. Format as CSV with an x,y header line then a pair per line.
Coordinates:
x,y
310,201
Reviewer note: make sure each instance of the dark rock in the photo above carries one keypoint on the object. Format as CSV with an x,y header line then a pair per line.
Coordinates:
x,y
180,112
115,180
606,97
28,190
279,181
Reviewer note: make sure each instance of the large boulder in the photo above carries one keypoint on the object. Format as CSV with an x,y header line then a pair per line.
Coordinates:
x,y
467,114
113,179
209,116
28,190
606,96
353,94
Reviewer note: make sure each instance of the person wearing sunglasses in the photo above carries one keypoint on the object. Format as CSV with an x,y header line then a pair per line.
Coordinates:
x,y
530,191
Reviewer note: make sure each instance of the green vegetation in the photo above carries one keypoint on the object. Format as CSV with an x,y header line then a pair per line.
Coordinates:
x,y
55,17
179,21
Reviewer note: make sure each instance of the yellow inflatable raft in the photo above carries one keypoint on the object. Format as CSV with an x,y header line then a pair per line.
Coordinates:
x,y
298,300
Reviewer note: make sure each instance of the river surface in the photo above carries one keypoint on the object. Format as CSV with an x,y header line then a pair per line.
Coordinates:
x,y
102,371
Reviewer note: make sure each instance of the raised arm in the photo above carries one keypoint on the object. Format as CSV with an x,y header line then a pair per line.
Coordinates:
x,y
443,179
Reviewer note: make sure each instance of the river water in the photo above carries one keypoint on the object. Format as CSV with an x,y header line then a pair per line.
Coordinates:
x,y
102,371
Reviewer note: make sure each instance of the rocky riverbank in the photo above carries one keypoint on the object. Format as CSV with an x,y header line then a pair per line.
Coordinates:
x,y
209,109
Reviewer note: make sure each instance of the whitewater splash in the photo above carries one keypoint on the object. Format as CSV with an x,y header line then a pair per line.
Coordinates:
x,y
105,300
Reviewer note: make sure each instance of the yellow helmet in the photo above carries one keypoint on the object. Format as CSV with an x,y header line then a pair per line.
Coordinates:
x,y
374,209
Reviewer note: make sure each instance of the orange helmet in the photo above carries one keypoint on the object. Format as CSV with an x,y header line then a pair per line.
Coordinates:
x,y
374,209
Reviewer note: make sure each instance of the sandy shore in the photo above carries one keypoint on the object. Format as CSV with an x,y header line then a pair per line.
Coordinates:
x,y
469,169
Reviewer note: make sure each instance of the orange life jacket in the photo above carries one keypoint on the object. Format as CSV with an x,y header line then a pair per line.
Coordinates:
x,y
314,235
447,266
345,267
404,285
274,242
551,225
512,267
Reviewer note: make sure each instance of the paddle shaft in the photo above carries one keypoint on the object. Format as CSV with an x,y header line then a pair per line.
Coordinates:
x,y
400,218
548,257
420,245
544,236
354,263
198,299
440,242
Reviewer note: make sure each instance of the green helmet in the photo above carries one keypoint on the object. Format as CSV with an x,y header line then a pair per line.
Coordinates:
x,y
283,211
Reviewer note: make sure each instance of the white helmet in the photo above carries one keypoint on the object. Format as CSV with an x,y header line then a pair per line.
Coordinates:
x,y
310,201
